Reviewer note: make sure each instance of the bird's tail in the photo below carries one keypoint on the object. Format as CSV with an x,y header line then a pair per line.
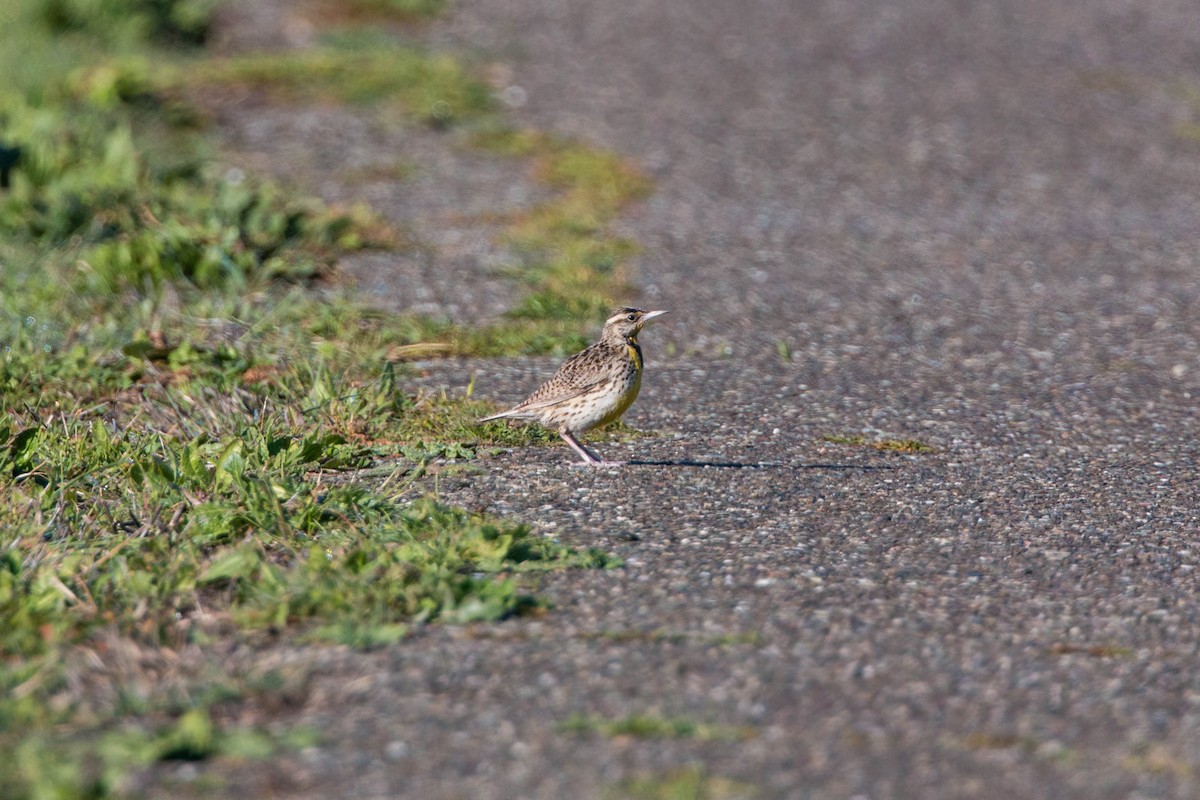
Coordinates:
x,y
501,415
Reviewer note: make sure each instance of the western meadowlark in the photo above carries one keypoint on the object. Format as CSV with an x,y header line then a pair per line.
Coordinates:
x,y
593,387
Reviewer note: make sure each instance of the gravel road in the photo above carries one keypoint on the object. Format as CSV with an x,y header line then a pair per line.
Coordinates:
x,y
969,224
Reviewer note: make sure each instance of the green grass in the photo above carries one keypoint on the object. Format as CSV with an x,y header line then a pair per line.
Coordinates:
x,y
570,265
197,448
137,528
672,637
691,783
1160,760
103,762
103,218
434,89
647,726
893,445
119,22
151,500
351,12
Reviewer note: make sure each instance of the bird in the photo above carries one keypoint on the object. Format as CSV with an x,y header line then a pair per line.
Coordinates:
x,y
593,387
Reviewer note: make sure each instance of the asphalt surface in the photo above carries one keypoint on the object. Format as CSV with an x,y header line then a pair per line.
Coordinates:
x,y
974,225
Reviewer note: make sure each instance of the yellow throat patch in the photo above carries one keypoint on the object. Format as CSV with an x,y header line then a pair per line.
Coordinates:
x,y
635,353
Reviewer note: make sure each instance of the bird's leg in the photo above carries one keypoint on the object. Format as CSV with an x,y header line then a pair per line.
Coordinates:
x,y
587,455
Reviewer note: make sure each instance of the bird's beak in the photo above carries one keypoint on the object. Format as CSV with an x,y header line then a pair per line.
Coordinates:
x,y
649,315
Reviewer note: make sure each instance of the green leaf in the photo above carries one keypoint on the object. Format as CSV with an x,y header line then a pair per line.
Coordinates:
x,y
21,451
230,464
235,564
192,739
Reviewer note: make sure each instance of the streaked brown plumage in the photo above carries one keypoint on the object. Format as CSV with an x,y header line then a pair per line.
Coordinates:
x,y
593,387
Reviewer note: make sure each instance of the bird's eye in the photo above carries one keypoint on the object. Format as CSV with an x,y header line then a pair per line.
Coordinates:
x,y
631,317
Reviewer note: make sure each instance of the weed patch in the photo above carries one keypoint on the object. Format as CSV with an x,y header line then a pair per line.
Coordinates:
x,y
894,445
433,89
571,263
114,222
156,538
643,726
348,12
128,21
692,783
135,528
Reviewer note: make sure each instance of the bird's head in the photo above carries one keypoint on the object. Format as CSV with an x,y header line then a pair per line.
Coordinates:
x,y
626,323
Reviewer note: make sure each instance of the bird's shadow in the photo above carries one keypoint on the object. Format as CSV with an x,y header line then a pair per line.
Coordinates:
x,y
755,465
